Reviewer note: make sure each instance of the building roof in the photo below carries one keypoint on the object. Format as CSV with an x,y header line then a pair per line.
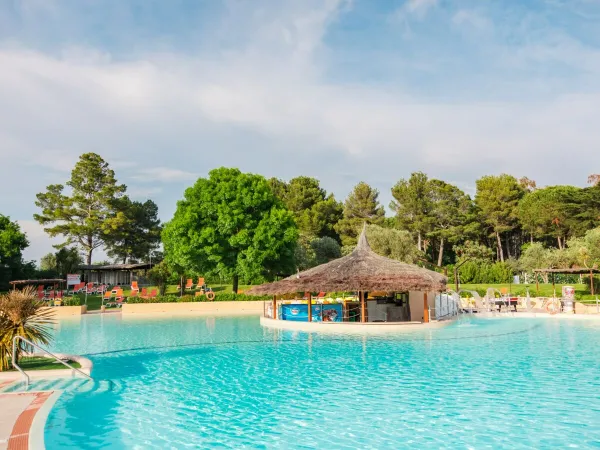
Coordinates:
x,y
40,281
361,270
116,266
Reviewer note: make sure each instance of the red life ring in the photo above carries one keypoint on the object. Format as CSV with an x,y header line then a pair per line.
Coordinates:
x,y
210,295
552,307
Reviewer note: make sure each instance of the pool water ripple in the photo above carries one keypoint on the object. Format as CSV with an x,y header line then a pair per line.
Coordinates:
x,y
228,383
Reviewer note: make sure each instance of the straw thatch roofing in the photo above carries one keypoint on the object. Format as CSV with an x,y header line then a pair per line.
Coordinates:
x,y
40,281
361,270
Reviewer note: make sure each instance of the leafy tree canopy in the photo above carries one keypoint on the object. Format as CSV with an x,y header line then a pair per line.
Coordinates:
x,y
413,205
498,198
315,212
137,231
392,243
88,212
231,225
549,212
12,241
362,205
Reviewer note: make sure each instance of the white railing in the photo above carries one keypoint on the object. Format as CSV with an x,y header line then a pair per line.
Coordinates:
x,y
43,350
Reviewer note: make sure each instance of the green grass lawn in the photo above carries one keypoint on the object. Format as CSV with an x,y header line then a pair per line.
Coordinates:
x,y
42,363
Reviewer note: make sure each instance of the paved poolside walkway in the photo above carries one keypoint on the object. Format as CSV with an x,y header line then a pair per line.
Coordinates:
x,y
16,416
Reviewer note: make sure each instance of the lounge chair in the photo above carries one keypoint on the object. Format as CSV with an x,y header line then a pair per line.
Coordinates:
x,y
153,293
144,293
200,284
189,285
134,286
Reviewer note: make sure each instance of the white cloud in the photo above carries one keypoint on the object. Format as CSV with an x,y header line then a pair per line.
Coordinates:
x,y
420,7
41,244
163,174
268,104
466,17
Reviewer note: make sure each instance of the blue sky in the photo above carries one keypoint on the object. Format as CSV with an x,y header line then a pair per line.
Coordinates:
x,y
340,90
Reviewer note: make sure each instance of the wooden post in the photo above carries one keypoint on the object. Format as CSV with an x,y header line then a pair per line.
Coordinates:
x,y
537,285
456,278
274,307
309,307
591,282
425,309
363,311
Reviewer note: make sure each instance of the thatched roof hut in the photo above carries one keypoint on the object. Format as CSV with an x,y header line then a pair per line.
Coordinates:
x,y
362,270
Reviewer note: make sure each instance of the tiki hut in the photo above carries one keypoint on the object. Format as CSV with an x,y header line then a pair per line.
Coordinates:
x,y
365,272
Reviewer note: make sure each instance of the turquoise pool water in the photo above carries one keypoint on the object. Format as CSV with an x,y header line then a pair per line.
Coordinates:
x,y
228,383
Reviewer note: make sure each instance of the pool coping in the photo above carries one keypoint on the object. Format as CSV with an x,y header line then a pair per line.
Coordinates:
x,y
85,363
352,328
38,425
28,427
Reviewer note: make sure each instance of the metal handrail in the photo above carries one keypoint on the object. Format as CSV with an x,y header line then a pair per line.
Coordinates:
x,y
27,378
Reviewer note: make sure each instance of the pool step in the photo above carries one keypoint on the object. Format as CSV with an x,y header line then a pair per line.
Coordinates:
x,y
77,385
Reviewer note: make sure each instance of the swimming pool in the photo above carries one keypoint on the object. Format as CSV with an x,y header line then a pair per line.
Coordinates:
x,y
228,383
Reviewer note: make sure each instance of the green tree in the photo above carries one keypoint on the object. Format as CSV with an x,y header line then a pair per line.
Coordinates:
x,y
136,233
362,205
231,225
473,251
585,209
325,249
450,208
12,243
413,205
585,251
85,215
315,212
498,198
160,275
548,212
392,243
48,262
68,260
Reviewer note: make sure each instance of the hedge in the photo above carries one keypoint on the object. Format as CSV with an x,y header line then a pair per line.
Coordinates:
x,y
219,297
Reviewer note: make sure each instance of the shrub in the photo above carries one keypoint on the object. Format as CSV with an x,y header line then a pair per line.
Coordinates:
x,y
21,314
219,297
71,301
485,273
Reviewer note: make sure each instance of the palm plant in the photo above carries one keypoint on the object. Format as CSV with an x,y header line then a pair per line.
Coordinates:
x,y
22,314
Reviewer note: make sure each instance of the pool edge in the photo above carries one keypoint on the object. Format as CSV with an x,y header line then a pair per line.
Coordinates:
x,y
38,426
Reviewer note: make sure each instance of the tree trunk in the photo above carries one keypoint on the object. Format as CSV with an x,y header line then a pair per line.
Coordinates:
x,y
560,244
441,253
531,238
508,246
90,249
419,243
499,246
236,281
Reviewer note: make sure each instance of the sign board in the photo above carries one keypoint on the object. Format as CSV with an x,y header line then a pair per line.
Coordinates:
x,y
73,279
